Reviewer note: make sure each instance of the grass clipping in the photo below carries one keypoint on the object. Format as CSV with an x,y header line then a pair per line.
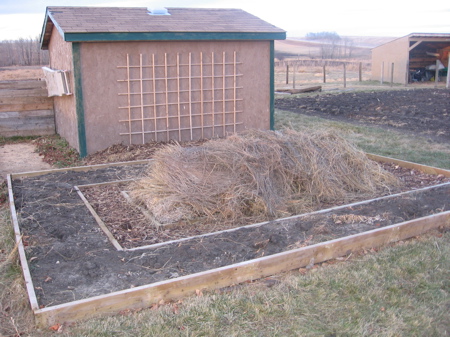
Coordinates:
x,y
257,174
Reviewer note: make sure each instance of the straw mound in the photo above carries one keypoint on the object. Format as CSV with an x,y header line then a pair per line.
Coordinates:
x,y
258,174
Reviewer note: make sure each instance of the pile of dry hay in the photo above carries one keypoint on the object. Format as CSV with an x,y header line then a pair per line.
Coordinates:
x,y
258,174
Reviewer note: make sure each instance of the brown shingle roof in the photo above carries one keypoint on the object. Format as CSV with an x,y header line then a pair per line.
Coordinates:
x,y
119,19
135,23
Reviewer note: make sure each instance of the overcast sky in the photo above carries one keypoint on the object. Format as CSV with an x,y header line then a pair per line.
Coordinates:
x,y
24,18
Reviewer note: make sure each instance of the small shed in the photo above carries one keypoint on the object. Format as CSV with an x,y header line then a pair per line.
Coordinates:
x,y
411,58
134,75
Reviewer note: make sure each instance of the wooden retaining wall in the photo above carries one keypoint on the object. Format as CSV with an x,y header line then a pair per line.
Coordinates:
x,y
25,109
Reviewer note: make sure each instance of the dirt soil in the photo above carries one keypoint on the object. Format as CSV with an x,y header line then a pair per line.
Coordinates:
x,y
414,111
71,258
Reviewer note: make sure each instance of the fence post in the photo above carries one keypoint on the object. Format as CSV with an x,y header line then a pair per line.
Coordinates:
x,y
392,74
360,71
382,73
287,73
293,77
345,76
324,75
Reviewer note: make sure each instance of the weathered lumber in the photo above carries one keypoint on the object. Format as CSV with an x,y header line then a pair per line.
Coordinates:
x,y
144,296
27,123
410,165
22,84
24,106
301,90
22,256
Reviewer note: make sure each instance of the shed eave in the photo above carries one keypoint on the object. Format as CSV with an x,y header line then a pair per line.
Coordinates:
x,y
170,36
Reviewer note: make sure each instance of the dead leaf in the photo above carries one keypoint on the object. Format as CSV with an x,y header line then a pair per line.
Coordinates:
x,y
55,327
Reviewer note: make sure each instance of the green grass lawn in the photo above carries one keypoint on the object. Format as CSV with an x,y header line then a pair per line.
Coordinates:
x,y
400,290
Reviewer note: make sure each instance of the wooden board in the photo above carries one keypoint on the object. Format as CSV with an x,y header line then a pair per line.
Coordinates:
x,y
301,90
410,165
145,296
27,106
22,84
27,123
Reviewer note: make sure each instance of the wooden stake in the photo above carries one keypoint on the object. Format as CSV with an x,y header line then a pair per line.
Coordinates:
x,y
202,112
324,74
129,97
166,82
293,75
155,107
212,95
190,93
287,73
178,97
141,89
234,92
360,71
223,94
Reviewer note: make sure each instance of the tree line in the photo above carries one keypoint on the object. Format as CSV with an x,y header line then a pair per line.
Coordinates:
x,y
332,45
22,52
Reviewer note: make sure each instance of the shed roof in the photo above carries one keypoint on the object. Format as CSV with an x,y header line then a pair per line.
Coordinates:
x,y
78,24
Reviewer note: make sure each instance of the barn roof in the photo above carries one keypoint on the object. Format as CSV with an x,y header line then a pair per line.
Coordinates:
x,y
81,24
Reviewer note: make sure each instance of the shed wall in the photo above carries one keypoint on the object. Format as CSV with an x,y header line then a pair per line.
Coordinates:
x,y
395,52
247,93
61,58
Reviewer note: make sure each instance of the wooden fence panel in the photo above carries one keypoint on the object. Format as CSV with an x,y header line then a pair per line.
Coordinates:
x,y
25,109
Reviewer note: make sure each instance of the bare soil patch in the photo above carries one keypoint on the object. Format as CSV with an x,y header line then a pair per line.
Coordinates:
x,y
71,258
414,111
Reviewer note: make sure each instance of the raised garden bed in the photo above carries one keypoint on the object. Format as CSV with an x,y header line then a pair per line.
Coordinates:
x,y
74,269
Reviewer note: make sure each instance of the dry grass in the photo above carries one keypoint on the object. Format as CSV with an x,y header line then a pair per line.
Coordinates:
x,y
258,174
15,316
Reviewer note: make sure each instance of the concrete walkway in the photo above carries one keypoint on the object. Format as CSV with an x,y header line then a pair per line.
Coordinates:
x,y
15,158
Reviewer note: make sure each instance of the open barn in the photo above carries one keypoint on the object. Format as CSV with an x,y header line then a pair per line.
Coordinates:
x,y
133,75
412,58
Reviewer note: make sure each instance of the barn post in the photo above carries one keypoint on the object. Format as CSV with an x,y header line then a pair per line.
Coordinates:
x,y
392,74
448,77
436,74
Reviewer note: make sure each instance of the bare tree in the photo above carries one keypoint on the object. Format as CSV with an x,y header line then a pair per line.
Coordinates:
x,y
22,52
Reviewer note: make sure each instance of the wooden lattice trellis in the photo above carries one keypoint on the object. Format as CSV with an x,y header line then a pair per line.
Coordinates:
x,y
182,96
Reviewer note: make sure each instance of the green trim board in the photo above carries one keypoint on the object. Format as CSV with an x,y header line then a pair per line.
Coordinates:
x,y
79,105
272,85
169,36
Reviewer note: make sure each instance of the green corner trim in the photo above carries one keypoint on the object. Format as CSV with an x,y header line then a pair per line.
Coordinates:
x,y
171,36
79,106
272,85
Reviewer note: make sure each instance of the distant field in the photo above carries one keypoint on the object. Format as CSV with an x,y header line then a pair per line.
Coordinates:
x,y
300,47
